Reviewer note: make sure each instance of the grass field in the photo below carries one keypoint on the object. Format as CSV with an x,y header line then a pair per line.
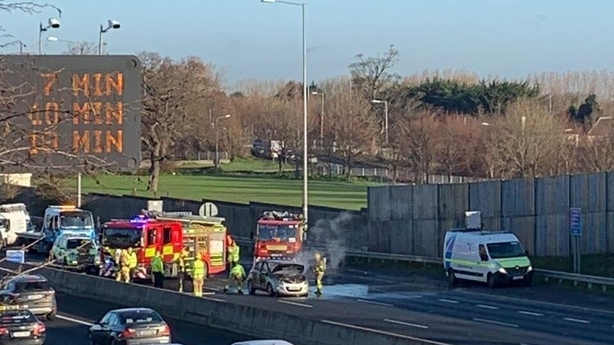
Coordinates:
x,y
239,164
241,189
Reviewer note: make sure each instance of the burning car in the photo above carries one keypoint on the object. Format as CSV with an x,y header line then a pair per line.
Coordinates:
x,y
278,278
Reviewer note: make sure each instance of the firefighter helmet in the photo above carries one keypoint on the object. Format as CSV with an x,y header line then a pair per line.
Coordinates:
x,y
317,256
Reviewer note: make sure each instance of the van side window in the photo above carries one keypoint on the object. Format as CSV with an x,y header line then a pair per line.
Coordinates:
x,y
167,236
483,254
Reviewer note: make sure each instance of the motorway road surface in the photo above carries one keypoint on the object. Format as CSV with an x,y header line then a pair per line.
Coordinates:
x,y
77,314
415,306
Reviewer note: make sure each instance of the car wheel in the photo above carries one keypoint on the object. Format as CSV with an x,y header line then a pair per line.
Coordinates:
x,y
50,316
250,287
451,278
269,290
491,281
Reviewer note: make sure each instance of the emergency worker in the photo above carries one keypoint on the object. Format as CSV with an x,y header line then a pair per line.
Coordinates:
x,y
319,269
198,275
157,270
233,252
132,262
123,273
237,274
181,275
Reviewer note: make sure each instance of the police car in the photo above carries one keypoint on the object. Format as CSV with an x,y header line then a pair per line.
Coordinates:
x,y
77,252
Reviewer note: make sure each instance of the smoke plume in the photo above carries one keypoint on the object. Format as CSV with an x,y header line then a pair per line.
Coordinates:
x,y
329,238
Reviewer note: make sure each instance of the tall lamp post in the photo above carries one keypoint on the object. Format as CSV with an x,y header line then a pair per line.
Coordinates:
x,y
379,101
323,95
217,150
305,141
53,24
113,24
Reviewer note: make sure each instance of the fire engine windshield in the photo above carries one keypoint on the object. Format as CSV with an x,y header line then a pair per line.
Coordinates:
x,y
267,232
121,238
76,219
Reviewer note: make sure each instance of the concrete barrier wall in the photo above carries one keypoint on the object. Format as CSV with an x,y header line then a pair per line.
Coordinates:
x,y
536,210
259,323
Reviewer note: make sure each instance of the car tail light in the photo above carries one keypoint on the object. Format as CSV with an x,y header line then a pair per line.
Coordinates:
x,y
129,333
3,331
39,329
167,331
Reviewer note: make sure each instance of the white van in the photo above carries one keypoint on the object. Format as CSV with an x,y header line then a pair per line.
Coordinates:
x,y
492,257
14,219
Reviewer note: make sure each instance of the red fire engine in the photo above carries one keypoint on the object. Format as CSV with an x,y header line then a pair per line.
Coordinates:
x,y
279,235
145,237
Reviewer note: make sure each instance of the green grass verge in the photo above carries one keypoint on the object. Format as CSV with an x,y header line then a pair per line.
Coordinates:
x,y
239,164
240,189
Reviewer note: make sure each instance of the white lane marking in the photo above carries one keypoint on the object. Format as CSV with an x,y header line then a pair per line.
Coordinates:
x,y
426,341
484,306
407,324
70,319
448,301
495,322
522,300
529,313
575,320
295,303
375,303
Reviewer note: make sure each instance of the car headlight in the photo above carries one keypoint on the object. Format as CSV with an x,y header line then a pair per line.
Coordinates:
x,y
500,268
530,268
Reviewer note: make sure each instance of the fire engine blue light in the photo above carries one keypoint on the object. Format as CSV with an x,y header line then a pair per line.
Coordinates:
x,y
138,219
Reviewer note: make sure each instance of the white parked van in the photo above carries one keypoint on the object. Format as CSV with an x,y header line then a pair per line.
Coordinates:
x,y
14,219
492,257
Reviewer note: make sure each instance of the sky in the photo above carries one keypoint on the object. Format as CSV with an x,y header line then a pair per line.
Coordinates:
x,y
248,39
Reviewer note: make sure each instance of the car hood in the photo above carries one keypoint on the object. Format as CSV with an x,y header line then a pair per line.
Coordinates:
x,y
292,277
521,261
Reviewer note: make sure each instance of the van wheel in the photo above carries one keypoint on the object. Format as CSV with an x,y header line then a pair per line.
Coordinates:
x,y
452,278
491,281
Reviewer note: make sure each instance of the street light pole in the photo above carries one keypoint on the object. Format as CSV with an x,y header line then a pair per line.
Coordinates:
x,y
53,24
113,24
217,151
378,101
305,128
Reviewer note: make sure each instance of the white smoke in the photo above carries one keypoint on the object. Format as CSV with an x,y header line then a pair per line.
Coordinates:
x,y
332,235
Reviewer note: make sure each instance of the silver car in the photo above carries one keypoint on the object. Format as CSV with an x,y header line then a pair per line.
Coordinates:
x,y
278,278
32,292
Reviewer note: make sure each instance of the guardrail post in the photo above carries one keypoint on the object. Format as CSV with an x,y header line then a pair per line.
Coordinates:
x,y
590,285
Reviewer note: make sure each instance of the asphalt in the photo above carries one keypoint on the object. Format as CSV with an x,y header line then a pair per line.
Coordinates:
x,y
77,314
424,307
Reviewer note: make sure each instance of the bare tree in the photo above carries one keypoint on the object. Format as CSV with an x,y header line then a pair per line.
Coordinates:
x,y
350,125
457,139
174,91
525,142
421,144
371,75
82,48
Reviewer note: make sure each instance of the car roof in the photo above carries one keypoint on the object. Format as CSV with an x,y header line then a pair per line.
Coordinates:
x,y
279,261
263,342
29,277
132,310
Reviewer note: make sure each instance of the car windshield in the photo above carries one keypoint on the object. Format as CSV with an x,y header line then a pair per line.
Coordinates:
x,y
132,317
122,238
288,268
32,286
75,243
268,232
76,219
504,250
13,317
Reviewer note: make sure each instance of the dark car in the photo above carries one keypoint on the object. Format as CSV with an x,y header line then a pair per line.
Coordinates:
x,y
130,326
32,292
20,327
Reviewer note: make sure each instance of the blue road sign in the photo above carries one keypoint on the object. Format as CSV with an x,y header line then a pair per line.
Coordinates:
x,y
575,221
17,256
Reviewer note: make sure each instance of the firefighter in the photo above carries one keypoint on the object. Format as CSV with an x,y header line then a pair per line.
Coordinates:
x,y
237,274
123,273
132,262
181,275
198,275
319,270
233,252
157,270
